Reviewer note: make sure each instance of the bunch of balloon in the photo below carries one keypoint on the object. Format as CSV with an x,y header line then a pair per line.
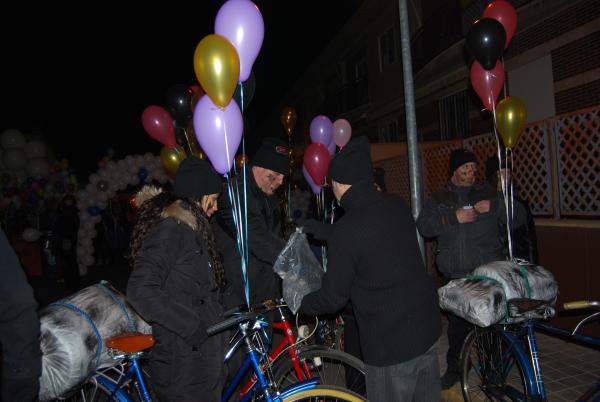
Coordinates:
x,y
223,65
103,186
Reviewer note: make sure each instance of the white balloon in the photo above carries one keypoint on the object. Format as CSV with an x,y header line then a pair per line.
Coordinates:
x,y
38,167
35,149
83,270
14,159
94,178
31,234
88,260
12,138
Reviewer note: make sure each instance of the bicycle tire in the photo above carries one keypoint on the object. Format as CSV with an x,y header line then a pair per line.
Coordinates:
x,y
333,367
324,393
490,370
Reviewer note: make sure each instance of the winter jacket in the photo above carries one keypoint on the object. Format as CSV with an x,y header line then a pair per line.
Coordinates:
x,y
172,287
19,329
374,261
463,247
265,242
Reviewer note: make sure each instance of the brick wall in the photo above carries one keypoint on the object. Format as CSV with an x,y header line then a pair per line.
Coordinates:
x,y
578,97
576,57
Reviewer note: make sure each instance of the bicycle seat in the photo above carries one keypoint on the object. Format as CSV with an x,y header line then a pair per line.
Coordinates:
x,y
130,342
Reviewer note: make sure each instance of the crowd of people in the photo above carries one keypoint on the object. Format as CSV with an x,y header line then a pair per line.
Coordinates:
x,y
187,269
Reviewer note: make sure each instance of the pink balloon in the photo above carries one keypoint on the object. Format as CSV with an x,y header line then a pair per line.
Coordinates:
x,y
342,131
159,124
241,22
487,83
321,130
219,132
316,160
316,189
503,12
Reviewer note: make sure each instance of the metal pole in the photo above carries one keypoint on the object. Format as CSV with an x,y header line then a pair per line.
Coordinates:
x,y
414,165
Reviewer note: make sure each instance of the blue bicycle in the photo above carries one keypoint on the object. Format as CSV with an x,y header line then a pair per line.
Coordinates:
x,y
126,381
501,362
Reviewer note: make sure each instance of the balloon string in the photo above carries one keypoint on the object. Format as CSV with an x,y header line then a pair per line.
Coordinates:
x,y
503,182
244,233
239,239
503,72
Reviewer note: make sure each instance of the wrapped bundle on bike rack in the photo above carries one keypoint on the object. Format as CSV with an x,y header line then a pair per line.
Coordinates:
x,y
73,332
299,269
482,297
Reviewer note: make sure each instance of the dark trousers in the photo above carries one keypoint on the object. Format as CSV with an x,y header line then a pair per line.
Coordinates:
x,y
458,329
354,380
416,380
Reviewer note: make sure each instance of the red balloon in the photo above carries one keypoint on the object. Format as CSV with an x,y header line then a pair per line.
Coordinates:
x,y
316,161
503,12
487,83
159,124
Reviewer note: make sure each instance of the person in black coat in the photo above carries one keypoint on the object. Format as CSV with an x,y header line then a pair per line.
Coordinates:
x,y
19,330
176,284
374,261
265,235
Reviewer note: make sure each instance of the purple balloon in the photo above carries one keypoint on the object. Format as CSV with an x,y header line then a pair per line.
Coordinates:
x,y
331,148
341,132
219,132
321,130
241,22
316,189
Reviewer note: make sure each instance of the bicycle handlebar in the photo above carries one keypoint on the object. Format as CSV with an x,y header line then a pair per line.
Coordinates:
x,y
581,304
266,305
223,325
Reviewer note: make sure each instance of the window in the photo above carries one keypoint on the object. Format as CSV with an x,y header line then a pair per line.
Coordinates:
x,y
454,116
387,49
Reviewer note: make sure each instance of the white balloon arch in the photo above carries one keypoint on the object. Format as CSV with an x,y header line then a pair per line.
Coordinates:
x,y
103,186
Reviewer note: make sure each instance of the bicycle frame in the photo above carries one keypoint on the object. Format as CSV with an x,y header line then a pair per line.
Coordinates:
x,y
116,389
301,368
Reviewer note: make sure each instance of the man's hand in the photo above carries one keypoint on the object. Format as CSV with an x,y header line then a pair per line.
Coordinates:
x,y
466,215
482,206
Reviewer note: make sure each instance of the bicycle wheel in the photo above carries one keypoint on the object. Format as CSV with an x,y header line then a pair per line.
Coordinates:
x,y
333,367
324,393
490,369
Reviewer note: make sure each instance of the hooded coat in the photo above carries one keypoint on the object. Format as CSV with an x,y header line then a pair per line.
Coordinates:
x,y
172,287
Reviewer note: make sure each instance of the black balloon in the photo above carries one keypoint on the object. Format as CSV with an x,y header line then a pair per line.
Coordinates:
x,y
249,86
181,138
485,41
178,100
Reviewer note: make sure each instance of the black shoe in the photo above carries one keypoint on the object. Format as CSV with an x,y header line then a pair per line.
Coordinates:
x,y
449,379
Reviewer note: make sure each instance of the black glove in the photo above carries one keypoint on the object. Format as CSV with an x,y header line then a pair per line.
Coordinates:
x,y
319,230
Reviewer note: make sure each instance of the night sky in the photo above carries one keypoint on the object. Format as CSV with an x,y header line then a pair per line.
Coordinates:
x,y
81,74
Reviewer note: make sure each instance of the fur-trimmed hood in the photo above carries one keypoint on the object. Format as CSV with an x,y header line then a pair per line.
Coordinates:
x,y
175,210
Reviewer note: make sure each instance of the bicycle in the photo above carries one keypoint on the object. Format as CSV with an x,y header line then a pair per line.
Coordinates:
x,y
302,361
501,362
126,382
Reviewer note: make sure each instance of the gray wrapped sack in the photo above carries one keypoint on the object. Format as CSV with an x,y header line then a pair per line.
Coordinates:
x,y
73,333
299,269
482,297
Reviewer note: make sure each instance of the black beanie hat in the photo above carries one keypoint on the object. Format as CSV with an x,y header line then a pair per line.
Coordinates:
x,y
196,178
353,163
273,155
491,166
459,157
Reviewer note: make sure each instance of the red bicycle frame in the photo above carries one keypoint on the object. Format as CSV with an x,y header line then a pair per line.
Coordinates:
x,y
301,368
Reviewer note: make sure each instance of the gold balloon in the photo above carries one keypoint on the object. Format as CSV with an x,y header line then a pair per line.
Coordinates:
x,y
288,119
190,135
217,67
511,115
171,158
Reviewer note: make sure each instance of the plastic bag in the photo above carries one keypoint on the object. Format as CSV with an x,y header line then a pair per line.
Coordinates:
x,y
299,269
73,332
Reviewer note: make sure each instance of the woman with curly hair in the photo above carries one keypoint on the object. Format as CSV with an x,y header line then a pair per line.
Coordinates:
x,y
177,281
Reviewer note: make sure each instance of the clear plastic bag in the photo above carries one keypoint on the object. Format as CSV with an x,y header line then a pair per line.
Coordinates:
x,y
299,269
